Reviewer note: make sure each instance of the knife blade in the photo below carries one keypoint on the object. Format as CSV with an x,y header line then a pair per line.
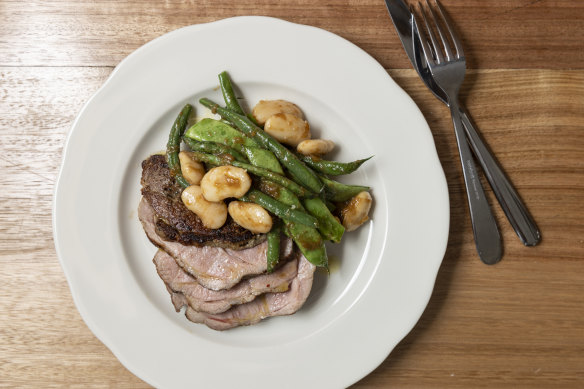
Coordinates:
x,y
403,21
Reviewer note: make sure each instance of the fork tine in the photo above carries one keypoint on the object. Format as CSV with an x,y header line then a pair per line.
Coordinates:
x,y
448,24
445,43
423,41
430,33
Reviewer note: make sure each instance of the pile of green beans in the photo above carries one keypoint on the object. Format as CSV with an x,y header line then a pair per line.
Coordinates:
x,y
301,196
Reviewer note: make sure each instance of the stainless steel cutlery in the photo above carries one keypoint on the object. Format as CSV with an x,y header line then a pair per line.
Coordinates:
x,y
415,38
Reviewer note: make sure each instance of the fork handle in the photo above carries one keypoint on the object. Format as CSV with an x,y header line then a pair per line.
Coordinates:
x,y
486,233
517,213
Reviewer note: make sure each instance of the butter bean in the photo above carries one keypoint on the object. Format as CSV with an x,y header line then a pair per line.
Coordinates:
x,y
250,216
356,212
287,128
193,171
266,108
315,146
225,181
212,214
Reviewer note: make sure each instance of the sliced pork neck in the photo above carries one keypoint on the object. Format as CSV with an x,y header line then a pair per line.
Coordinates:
x,y
206,300
263,306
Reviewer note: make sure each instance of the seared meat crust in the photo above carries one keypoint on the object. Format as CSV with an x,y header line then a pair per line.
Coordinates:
x,y
176,223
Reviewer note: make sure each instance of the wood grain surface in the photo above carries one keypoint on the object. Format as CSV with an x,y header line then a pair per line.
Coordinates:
x,y
518,324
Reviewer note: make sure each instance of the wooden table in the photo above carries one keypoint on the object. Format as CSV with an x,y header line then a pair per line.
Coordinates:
x,y
517,324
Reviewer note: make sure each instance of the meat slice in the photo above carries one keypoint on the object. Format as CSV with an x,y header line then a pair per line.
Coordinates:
x,y
214,267
266,305
178,299
174,222
211,301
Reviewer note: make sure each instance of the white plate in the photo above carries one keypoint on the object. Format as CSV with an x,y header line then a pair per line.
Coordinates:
x,y
382,275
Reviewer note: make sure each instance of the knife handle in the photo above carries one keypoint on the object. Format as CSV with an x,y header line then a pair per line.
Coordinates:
x,y
484,227
517,213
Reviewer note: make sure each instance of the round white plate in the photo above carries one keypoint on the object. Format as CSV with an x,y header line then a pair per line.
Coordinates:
x,y
382,274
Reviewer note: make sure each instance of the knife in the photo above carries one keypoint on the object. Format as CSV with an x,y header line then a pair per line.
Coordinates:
x,y
403,20
516,212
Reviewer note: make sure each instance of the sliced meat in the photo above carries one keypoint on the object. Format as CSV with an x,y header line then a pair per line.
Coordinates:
x,y
214,267
178,299
211,301
266,305
174,222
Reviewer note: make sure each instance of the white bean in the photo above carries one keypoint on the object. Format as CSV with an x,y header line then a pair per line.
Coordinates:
x,y
250,216
225,181
356,212
287,128
315,146
266,108
193,171
212,214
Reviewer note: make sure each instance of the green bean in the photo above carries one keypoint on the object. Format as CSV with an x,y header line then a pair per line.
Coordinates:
x,y
333,168
280,209
305,176
308,239
330,205
212,130
273,253
275,177
279,192
173,145
253,119
263,158
336,191
214,148
258,171
328,226
228,94
270,175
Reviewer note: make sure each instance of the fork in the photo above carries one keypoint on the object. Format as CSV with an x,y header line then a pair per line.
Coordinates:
x,y
448,68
